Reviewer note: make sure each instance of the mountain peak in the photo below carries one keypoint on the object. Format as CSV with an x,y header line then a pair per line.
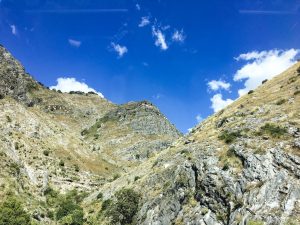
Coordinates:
x,y
14,81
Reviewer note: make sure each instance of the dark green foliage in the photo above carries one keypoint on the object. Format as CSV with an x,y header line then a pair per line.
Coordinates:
x,y
229,137
230,152
250,92
280,102
76,92
123,208
67,208
84,132
226,166
106,204
76,167
46,152
100,195
136,178
116,176
15,168
61,163
264,81
273,130
12,213
8,119
297,92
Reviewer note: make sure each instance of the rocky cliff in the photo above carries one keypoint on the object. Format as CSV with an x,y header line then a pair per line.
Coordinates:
x,y
131,166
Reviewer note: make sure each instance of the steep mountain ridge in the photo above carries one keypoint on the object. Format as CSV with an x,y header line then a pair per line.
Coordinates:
x,y
42,141
239,166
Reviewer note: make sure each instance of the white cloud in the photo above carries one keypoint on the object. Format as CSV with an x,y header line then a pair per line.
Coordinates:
x,y
263,65
219,103
74,43
66,84
138,7
13,29
199,118
144,21
121,50
215,85
178,36
160,39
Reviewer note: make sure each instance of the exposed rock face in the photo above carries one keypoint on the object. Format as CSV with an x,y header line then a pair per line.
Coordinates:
x,y
134,131
14,81
240,166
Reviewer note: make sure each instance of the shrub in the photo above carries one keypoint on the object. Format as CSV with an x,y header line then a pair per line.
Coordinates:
x,y
116,176
12,213
273,130
61,163
136,178
68,212
123,209
76,167
67,208
8,119
229,137
46,152
264,81
250,92
297,92
280,102
100,195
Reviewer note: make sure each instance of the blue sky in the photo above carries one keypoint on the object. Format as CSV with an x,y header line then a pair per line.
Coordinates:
x,y
190,58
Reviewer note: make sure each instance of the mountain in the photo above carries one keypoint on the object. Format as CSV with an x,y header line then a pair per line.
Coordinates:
x,y
76,158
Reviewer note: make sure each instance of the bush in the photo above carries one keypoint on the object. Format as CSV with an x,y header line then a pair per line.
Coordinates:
x,y
12,213
229,137
297,92
273,130
68,210
123,209
76,167
250,92
280,102
264,81
46,152
61,163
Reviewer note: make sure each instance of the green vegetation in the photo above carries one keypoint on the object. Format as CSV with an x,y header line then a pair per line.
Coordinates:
x,y
122,209
12,213
76,167
255,222
66,207
46,152
116,176
61,163
280,102
8,119
100,196
273,130
297,92
250,92
229,137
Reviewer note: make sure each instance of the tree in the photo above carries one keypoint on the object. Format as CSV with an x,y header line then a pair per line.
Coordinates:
x,y
12,213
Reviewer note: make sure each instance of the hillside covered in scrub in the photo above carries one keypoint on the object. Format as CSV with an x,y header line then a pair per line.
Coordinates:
x,y
77,158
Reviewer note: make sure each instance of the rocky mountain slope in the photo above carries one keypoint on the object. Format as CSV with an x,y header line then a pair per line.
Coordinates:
x,y
129,165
